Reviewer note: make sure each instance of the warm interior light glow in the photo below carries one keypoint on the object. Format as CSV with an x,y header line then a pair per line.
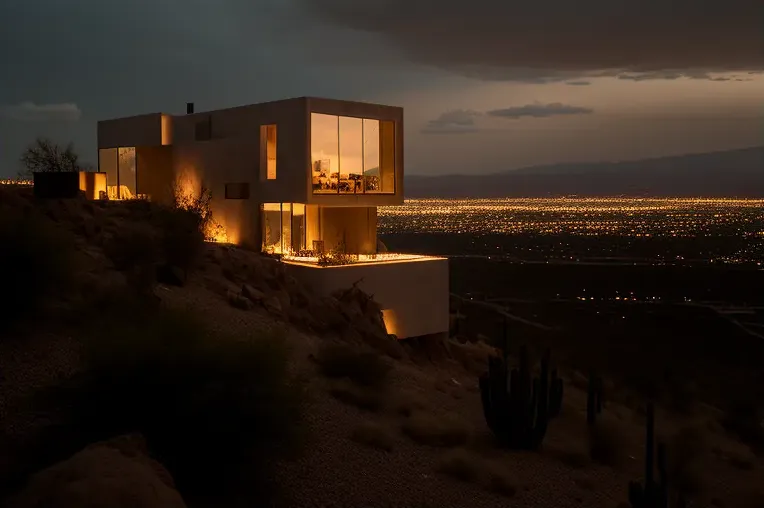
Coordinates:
x,y
389,318
11,181
166,130
355,259
93,184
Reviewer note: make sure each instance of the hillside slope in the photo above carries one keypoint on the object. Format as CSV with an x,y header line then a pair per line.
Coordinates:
x,y
415,437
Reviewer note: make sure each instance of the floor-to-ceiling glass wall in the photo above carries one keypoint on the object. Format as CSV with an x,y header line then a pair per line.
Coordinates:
x,y
107,163
284,227
127,176
352,155
120,166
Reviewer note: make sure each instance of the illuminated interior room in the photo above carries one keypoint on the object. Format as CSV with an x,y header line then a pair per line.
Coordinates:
x,y
300,179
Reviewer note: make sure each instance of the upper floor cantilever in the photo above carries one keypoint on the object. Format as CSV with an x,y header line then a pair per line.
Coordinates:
x,y
311,150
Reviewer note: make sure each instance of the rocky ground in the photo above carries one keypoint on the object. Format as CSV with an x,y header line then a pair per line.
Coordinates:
x,y
419,440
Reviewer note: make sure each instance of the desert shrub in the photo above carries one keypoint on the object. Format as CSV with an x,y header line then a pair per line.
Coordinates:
x,y
134,250
432,430
461,465
361,397
408,403
373,435
182,237
363,367
213,409
604,440
38,261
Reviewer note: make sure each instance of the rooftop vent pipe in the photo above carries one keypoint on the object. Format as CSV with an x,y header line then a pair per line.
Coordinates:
x,y
189,108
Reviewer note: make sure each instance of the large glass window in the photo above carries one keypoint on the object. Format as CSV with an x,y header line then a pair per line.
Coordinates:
x,y
127,178
120,167
352,155
271,222
107,163
284,227
325,153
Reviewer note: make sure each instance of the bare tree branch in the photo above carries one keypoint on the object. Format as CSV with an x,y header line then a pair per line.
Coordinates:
x,y
46,156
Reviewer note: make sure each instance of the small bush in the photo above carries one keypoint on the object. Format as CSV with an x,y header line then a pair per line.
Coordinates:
x,y
213,409
135,251
442,431
373,435
365,368
605,443
408,404
38,261
461,465
182,237
361,397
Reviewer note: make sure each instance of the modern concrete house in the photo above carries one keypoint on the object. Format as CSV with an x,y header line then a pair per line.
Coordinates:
x,y
301,178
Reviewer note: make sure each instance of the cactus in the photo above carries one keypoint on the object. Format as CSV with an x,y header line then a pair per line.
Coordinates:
x,y
518,412
652,494
594,397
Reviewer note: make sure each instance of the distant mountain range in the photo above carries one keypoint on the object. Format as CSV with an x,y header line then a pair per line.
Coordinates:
x,y
731,173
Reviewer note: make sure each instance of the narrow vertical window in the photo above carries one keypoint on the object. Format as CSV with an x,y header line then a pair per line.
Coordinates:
x,y
268,150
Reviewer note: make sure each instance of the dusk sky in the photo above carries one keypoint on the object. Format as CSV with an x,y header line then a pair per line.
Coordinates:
x,y
486,85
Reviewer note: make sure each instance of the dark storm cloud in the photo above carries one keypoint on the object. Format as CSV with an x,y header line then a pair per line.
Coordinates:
x,y
31,112
465,121
539,111
505,39
458,121
115,59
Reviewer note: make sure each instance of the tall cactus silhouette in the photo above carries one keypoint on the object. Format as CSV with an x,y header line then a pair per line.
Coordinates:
x,y
516,406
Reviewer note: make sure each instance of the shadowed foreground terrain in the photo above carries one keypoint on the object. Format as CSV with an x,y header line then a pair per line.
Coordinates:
x,y
140,366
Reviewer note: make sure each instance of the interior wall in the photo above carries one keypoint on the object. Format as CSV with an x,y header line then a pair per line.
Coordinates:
x,y
356,226
155,172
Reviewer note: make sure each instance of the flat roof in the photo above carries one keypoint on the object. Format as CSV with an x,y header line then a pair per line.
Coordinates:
x,y
292,99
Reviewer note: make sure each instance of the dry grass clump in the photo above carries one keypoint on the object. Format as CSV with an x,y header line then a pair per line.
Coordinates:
x,y
433,430
362,397
468,467
363,367
461,465
374,435
408,403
